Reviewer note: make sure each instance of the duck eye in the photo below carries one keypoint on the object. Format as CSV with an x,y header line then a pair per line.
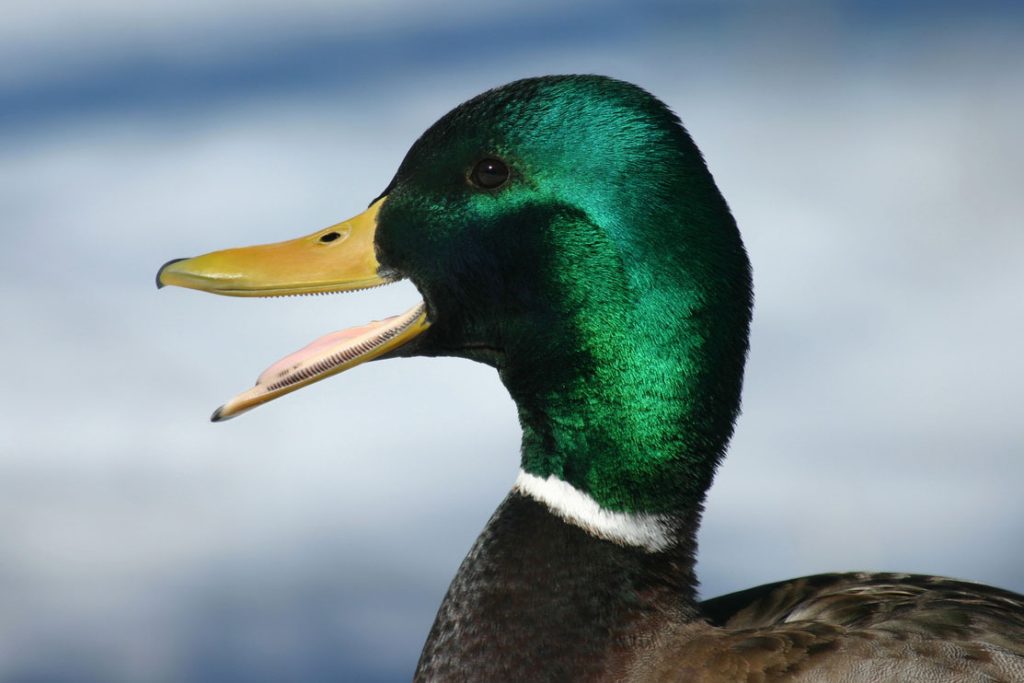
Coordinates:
x,y
489,174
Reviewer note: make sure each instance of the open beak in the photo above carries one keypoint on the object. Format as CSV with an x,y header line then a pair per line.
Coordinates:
x,y
336,259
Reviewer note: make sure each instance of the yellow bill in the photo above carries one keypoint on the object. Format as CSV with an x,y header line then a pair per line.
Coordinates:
x,y
335,259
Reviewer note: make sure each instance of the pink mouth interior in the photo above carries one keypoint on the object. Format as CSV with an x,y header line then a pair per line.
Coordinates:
x,y
330,354
321,350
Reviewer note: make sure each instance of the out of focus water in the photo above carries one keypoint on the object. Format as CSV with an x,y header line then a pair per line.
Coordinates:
x,y
873,160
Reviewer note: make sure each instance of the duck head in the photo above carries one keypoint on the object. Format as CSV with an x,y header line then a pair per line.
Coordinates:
x,y
566,231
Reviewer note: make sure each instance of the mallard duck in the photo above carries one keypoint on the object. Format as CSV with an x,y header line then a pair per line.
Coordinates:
x,y
566,231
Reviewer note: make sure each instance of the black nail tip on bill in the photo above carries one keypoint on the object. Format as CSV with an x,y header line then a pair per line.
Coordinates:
x,y
160,285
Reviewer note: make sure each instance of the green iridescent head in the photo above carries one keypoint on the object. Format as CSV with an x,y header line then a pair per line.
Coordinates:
x,y
567,231
604,277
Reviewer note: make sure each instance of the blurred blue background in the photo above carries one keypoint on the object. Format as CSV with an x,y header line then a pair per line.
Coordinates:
x,y
872,155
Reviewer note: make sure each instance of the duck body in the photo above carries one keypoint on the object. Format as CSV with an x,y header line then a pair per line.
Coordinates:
x,y
566,231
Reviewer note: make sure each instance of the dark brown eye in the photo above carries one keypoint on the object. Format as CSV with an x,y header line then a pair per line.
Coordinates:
x,y
489,174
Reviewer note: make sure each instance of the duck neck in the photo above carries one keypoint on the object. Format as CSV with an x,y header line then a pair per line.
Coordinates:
x,y
634,420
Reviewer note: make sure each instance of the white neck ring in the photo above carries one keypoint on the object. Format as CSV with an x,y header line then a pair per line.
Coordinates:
x,y
650,532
